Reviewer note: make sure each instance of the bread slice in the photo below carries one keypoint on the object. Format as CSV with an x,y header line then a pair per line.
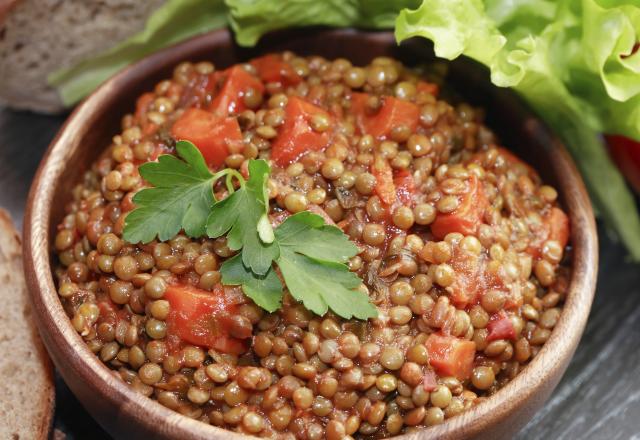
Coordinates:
x,y
26,373
38,37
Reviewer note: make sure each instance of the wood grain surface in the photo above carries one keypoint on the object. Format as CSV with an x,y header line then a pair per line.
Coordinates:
x,y
599,397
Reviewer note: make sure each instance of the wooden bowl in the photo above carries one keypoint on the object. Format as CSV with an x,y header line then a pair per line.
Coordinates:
x,y
126,414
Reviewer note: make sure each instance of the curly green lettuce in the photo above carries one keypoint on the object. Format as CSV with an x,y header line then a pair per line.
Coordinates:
x,y
573,61
251,19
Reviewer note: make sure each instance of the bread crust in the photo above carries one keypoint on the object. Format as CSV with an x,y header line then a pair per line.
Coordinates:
x,y
15,291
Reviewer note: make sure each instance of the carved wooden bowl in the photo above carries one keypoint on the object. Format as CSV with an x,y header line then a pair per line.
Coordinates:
x,y
127,414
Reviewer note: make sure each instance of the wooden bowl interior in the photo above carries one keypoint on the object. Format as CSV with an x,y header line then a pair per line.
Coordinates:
x,y
90,128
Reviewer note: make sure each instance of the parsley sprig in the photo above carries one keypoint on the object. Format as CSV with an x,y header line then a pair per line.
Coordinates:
x,y
308,254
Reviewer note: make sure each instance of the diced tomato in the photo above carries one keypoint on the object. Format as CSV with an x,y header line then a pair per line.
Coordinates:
x,y
429,381
468,283
385,187
558,225
212,134
555,226
195,92
203,318
393,112
143,106
451,356
405,187
229,99
626,154
296,136
156,152
272,68
430,88
469,269
500,327
467,217
143,103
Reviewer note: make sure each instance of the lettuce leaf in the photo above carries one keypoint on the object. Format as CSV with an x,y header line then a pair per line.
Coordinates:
x,y
251,19
175,21
571,60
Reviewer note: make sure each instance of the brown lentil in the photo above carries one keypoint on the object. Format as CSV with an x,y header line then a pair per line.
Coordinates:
x,y
347,378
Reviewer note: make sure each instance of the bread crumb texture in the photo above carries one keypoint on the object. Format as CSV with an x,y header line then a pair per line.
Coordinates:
x,y
26,401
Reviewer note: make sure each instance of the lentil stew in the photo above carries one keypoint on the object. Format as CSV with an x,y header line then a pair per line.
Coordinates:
x,y
461,249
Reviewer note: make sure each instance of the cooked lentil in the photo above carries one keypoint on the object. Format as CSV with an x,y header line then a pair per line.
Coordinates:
x,y
487,286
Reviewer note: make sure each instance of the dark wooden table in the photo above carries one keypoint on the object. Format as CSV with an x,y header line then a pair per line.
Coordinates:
x,y
599,397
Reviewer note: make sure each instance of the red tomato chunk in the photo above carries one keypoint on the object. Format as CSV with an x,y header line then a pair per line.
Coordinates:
x,y
555,226
212,134
204,318
296,135
230,98
394,112
405,187
271,68
467,217
451,356
385,187
501,327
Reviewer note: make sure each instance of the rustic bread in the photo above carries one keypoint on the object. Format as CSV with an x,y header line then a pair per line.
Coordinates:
x,y
38,37
27,397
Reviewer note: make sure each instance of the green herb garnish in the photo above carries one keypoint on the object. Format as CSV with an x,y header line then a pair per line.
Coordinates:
x,y
309,254
264,290
182,197
311,261
243,217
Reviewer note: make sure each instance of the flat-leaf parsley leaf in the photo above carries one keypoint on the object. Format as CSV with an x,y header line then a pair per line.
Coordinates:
x,y
311,261
181,198
240,215
265,291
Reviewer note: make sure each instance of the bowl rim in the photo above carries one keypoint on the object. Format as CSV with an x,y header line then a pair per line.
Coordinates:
x,y
153,416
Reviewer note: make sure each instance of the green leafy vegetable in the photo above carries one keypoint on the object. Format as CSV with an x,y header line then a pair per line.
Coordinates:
x,y
309,253
181,199
239,215
311,257
310,260
571,60
265,291
250,20
308,234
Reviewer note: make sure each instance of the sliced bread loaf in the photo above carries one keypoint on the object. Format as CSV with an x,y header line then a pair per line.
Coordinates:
x,y
38,37
26,374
